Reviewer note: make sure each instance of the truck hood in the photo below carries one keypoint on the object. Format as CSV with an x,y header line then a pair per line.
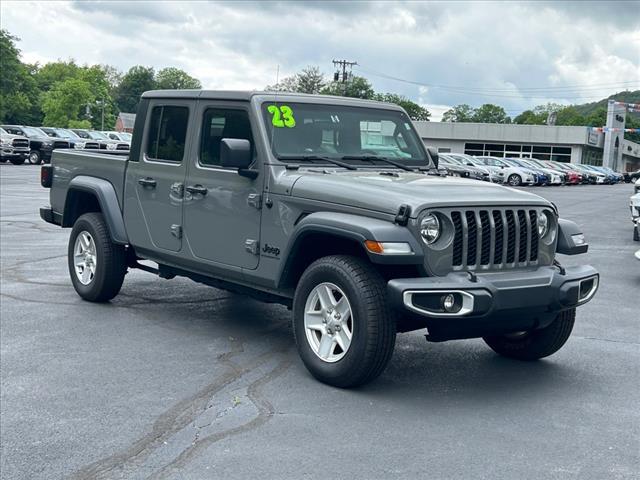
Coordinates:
x,y
385,193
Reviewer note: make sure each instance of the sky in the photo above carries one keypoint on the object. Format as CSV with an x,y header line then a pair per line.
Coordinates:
x,y
439,54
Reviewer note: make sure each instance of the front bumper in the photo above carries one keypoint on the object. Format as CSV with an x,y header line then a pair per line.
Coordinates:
x,y
13,152
491,303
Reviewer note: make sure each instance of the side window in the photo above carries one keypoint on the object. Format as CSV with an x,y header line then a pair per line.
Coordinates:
x,y
113,136
220,123
167,133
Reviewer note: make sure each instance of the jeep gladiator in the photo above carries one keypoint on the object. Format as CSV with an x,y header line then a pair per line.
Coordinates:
x,y
330,206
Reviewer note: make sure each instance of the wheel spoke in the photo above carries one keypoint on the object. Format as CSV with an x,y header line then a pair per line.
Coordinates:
x,y
313,321
326,346
342,307
325,295
86,275
343,340
78,259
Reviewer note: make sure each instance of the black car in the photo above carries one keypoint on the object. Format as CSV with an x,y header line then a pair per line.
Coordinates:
x,y
40,144
74,140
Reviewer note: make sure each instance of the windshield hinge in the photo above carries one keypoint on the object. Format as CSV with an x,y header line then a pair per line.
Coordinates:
x,y
402,217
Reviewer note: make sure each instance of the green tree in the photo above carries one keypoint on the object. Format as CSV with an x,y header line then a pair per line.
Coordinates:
x,y
309,80
102,91
570,116
489,113
530,117
415,111
18,90
459,113
66,102
172,78
134,83
51,73
356,87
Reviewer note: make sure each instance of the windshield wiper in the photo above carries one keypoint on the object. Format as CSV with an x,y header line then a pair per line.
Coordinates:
x,y
373,158
311,158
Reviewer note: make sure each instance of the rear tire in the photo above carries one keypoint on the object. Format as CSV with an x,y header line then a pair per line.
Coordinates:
x,y
514,180
357,294
97,266
17,161
535,344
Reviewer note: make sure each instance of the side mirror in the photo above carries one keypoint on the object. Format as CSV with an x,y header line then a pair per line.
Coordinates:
x,y
433,154
235,153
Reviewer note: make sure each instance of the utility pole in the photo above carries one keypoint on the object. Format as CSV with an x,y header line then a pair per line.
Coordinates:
x,y
343,76
101,103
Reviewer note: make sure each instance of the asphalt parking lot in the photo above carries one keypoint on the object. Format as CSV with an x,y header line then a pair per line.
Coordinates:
x,y
177,380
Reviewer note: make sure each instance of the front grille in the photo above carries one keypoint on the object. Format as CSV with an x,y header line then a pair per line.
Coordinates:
x,y
122,146
20,142
91,145
494,238
60,144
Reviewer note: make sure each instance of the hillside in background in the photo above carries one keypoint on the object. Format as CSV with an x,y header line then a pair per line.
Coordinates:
x,y
587,109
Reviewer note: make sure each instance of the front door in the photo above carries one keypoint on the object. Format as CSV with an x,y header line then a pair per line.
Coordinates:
x,y
154,216
221,208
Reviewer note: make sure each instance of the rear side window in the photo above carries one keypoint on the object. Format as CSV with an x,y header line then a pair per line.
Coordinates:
x,y
218,124
167,133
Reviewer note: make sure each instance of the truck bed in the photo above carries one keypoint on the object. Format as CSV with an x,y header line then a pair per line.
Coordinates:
x,y
70,164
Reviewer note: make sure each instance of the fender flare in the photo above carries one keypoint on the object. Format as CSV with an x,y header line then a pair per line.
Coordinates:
x,y
108,201
566,242
355,228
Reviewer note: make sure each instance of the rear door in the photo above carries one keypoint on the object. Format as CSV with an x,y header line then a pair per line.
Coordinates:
x,y
221,208
155,182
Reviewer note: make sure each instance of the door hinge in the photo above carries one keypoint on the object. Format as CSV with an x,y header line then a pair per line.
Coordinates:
x,y
255,200
252,246
176,231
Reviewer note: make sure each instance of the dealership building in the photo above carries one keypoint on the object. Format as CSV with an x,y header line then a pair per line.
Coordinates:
x,y
545,142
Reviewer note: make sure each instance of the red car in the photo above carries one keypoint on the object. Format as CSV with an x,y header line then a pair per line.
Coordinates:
x,y
573,177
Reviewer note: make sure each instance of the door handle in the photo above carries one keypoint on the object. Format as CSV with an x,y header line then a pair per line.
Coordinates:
x,y
147,182
197,190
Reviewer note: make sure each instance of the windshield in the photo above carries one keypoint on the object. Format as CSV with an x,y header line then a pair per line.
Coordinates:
x,y
125,136
34,132
67,133
3,132
98,136
340,132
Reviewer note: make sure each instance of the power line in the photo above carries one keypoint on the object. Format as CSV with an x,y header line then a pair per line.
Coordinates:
x,y
534,92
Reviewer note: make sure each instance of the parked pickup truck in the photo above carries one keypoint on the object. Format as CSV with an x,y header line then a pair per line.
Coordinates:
x,y
288,198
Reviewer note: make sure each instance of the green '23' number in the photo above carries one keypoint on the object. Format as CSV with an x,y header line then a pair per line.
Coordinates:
x,y
281,117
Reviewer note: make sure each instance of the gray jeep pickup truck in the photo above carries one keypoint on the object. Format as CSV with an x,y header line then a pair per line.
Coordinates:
x,y
330,206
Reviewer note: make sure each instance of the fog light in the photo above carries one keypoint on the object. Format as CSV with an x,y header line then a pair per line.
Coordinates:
x,y
449,303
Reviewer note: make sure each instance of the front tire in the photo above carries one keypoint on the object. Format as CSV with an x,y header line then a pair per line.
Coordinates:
x,y
636,234
514,180
344,329
97,266
35,158
17,161
535,344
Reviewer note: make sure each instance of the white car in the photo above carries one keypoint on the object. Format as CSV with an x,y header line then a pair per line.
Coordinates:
x,y
496,174
121,136
634,205
513,175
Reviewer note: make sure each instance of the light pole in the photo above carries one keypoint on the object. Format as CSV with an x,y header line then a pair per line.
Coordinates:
x,y
101,103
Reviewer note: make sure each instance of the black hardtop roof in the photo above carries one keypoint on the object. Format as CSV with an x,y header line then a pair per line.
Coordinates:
x,y
247,95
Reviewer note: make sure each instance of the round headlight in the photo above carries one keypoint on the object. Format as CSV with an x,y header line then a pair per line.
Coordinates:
x,y
543,224
430,229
